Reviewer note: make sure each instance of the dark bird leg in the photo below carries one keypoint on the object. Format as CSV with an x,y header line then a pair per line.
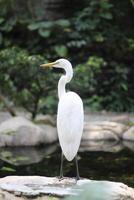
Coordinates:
x,y
61,166
77,169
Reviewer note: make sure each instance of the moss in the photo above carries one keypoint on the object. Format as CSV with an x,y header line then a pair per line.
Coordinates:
x,y
10,132
6,154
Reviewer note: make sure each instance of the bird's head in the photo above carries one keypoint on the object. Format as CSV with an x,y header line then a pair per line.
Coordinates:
x,y
60,63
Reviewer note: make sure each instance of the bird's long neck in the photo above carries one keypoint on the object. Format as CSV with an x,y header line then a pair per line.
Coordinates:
x,y
65,79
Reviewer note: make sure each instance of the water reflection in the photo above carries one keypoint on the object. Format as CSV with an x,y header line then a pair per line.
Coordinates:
x,y
102,145
18,156
25,155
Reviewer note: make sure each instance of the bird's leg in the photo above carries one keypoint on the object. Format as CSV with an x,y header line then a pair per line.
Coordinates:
x,y
61,166
77,169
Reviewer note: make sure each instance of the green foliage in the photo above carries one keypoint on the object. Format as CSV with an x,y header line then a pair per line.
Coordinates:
x,y
89,73
24,80
89,24
105,85
98,39
7,169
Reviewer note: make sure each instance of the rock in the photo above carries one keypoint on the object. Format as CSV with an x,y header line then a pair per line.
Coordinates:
x,y
32,186
4,116
109,116
19,131
4,195
36,186
104,130
45,119
129,134
49,134
104,190
129,144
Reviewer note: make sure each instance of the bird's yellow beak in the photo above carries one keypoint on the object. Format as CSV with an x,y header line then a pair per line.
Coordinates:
x,y
48,65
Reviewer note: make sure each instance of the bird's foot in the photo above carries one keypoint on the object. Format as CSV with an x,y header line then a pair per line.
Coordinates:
x,y
77,178
61,178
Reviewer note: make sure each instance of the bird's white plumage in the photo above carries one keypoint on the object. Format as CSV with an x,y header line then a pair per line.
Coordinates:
x,y
70,118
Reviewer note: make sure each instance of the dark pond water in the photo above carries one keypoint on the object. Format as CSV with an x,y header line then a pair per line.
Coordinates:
x,y
100,165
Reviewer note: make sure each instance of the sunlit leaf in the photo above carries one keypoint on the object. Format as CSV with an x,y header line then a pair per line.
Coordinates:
x,y
33,26
1,20
44,33
61,50
63,22
7,169
106,15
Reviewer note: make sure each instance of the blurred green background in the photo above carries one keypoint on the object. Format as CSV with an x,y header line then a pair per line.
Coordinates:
x,y
97,36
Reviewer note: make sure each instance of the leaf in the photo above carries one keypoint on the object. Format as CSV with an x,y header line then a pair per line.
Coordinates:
x,y
38,25
124,86
8,169
8,26
47,25
6,154
99,37
106,15
33,26
63,22
1,20
61,50
44,33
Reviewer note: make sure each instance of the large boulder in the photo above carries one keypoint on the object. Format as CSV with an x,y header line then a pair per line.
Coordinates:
x,y
109,116
4,116
103,130
129,134
45,119
49,134
24,187
19,131
129,144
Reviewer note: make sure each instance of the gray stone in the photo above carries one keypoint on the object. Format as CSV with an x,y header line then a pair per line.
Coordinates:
x,y
46,119
49,134
104,190
4,116
19,131
34,186
104,130
129,144
109,116
129,134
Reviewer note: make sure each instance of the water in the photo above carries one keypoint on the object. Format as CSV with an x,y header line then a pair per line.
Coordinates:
x,y
115,164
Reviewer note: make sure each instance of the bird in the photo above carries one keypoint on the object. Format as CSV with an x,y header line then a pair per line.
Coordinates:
x,y
70,115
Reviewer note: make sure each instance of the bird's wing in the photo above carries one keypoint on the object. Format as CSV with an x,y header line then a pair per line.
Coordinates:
x,y
70,123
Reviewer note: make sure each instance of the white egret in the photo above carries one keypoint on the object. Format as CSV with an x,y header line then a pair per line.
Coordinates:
x,y
70,115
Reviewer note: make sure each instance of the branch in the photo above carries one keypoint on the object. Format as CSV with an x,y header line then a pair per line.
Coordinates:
x,y
132,1
6,104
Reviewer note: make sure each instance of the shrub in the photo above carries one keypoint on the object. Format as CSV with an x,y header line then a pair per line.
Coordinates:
x,y
23,80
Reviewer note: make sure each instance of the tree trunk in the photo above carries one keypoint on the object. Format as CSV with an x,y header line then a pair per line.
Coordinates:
x,y
7,105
